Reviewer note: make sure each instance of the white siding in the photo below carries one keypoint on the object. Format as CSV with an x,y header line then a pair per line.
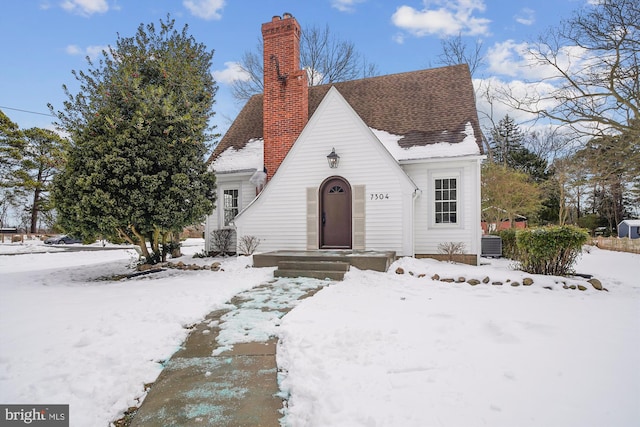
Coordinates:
x,y
246,193
279,217
467,230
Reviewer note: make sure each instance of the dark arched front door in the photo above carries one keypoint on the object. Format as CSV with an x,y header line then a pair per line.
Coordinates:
x,y
335,214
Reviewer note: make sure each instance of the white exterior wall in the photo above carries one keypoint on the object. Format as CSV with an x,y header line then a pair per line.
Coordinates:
x,y
428,234
246,193
278,216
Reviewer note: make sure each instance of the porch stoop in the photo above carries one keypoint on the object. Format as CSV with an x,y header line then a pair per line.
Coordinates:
x,y
332,270
323,264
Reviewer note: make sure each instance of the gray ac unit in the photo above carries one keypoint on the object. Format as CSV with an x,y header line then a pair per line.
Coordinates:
x,y
491,246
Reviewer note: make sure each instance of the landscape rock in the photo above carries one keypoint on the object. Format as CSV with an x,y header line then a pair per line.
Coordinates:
x,y
597,284
145,267
461,279
473,282
215,266
515,283
496,283
527,281
582,287
435,277
421,275
486,280
447,280
399,270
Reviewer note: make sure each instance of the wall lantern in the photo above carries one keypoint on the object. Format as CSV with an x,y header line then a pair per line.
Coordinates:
x,y
333,159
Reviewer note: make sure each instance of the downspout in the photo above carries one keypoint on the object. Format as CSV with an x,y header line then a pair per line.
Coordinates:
x,y
416,193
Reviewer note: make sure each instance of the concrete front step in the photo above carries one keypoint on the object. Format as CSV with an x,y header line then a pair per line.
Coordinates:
x,y
313,265
363,260
332,270
314,274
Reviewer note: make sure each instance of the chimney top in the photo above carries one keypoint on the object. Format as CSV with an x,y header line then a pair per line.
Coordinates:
x,y
287,15
275,18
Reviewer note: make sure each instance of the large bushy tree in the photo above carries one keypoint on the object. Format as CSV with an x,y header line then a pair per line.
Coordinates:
x,y
139,127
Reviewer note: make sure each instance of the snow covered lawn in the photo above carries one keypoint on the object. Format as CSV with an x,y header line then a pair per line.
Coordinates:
x,y
69,336
398,350
379,349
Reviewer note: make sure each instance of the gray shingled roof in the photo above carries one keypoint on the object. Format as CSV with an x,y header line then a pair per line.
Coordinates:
x,y
419,105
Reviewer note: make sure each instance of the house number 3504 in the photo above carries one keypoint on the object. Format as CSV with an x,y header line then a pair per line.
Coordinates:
x,y
379,196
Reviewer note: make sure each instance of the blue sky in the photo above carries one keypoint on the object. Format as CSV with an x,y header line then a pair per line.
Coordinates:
x,y
44,40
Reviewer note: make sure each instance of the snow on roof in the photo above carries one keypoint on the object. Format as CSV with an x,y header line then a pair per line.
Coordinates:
x,y
249,157
632,222
466,147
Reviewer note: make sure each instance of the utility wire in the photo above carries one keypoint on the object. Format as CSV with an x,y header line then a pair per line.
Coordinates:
x,y
27,111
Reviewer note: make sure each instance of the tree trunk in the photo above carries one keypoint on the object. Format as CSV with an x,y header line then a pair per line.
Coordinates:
x,y
175,247
34,211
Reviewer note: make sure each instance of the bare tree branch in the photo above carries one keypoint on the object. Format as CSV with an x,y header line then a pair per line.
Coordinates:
x,y
594,80
326,59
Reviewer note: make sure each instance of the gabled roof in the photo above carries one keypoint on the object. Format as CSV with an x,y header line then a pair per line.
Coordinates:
x,y
422,107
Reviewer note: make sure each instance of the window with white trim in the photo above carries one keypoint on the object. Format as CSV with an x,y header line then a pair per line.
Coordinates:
x,y
446,200
230,205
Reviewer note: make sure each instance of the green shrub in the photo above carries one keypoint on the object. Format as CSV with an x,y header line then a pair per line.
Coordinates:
x,y
509,246
550,250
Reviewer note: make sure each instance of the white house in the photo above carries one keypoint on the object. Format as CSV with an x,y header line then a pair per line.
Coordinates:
x,y
388,163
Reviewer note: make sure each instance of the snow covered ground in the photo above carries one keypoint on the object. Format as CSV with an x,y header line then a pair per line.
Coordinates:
x,y
379,349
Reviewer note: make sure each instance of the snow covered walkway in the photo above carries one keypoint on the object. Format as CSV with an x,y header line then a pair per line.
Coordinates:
x,y
226,372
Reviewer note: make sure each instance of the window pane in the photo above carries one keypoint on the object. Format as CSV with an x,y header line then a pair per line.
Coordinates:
x,y
230,205
446,197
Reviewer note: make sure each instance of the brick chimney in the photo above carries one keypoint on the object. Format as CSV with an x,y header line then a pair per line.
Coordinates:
x,y
286,95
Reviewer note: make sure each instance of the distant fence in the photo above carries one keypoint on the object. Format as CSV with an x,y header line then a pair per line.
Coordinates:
x,y
618,244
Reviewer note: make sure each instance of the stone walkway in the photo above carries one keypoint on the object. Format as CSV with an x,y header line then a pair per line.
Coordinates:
x,y
226,373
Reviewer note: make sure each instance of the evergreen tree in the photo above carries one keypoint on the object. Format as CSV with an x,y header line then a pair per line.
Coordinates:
x,y
508,149
506,140
42,156
136,168
11,147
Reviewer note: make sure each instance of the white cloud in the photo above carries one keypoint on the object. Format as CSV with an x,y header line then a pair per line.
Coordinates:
x,y
490,103
345,5
231,73
508,58
205,9
447,18
526,16
91,51
398,38
517,60
85,7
